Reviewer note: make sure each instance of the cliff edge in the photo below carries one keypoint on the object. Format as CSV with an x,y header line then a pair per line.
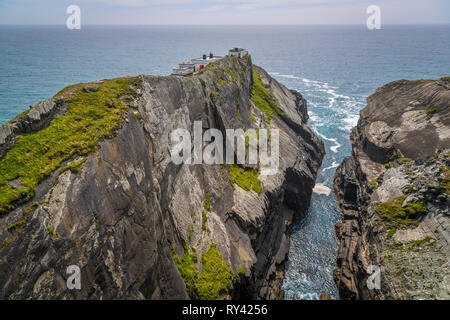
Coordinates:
x,y
394,194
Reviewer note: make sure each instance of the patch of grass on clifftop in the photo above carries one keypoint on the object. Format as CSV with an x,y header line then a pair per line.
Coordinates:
x,y
246,179
90,117
213,283
264,99
393,211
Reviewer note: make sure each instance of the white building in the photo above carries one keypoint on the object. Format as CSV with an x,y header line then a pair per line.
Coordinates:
x,y
195,65
237,52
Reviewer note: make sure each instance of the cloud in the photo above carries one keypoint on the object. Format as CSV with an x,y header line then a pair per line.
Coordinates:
x,y
215,8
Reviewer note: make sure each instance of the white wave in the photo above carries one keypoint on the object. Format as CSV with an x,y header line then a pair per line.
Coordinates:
x,y
319,188
346,107
350,122
333,165
309,296
336,146
289,76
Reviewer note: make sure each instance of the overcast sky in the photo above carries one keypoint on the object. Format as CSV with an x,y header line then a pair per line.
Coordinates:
x,y
224,11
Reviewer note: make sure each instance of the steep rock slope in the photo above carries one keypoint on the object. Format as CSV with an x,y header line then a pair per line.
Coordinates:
x,y
394,194
87,180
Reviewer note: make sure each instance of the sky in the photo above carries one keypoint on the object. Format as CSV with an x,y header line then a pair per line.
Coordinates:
x,y
143,12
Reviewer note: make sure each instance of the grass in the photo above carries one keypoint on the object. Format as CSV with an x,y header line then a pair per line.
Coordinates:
x,y
204,219
394,212
186,267
246,179
430,112
374,184
444,183
264,99
15,228
89,118
391,233
137,116
445,78
426,240
74,167
404,160
240,273
207,204
213,283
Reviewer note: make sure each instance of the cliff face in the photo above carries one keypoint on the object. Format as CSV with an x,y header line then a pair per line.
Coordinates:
x,y
394,194
92,184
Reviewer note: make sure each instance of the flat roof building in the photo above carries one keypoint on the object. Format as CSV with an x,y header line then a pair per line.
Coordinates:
x,y
188,68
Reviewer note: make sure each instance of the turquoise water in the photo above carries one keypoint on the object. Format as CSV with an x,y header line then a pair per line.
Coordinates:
x,y
335,68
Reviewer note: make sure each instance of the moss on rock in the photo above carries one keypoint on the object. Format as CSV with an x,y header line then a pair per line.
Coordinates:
x,y
246,179
90,117
264,99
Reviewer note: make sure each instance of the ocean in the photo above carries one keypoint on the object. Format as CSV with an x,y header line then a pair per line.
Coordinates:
x,y
334,67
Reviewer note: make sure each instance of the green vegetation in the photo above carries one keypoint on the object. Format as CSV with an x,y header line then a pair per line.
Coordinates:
x,y
232,74
89,118
207,204
187,269
445,78
74,167
204,219
374,184
191,229
240,273
404,160
394,212
246,179
51,232
202,82
387,165
264,99
253,116
391,233
137,116
15,228
236,220
427,240
430,112
213,283
444,183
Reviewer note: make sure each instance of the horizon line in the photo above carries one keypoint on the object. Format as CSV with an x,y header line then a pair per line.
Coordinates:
x,y
224,24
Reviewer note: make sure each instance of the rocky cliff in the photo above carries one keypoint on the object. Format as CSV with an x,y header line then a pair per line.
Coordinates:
x,y
394,194
86,179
